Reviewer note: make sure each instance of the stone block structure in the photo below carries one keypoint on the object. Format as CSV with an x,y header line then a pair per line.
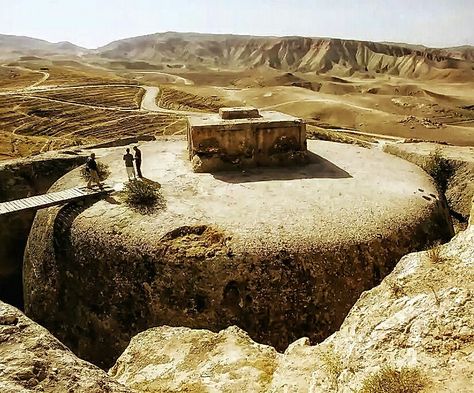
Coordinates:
x,y
243,137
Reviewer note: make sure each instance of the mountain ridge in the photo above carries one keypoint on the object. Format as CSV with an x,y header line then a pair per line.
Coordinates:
x,y
291,53
301,54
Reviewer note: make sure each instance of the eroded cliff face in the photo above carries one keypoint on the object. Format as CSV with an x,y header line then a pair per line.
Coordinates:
x,y
95,288
419,318
21,179
32,360
460,185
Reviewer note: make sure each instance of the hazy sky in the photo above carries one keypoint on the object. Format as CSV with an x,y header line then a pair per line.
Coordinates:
x,y
93,23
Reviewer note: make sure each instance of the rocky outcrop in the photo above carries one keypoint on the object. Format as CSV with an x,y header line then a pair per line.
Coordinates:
x,y
32,360
189,360
20,179
417,324
460,186
280,252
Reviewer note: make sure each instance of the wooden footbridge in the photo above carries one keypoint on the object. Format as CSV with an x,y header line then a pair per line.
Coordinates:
x,y
52,199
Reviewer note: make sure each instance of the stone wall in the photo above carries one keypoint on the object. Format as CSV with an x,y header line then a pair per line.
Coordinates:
x,y
240,144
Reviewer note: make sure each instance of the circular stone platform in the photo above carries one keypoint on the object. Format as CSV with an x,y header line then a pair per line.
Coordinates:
x,y
281,252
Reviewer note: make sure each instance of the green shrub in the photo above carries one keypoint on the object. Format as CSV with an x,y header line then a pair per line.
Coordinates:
x,y
439,168
102,169
144,196
390,380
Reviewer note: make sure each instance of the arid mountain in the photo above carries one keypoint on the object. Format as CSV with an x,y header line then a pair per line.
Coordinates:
x,y
290,54
337,56
465,52
13,47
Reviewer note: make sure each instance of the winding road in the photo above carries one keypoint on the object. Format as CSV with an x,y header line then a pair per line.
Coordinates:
x,y
177,79
149,100
149,103
38,82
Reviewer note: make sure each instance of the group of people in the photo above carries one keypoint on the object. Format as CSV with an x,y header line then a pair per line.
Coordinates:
x,y
128,158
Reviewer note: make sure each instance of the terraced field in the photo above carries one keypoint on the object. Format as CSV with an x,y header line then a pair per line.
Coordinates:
x,y
70,73
30,124
177,99
16,78
125,97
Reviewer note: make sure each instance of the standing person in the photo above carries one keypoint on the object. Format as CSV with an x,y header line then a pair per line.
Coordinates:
x,y
128,158
138,161
93,170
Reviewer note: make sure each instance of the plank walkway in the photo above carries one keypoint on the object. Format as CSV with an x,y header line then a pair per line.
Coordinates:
x,y
51,199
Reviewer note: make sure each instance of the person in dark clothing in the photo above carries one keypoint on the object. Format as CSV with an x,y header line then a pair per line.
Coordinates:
x,y
138,161
93,170
128,158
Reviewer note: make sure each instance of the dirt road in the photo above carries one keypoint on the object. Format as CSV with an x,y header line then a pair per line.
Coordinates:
x,y
149,103
176,79
39,82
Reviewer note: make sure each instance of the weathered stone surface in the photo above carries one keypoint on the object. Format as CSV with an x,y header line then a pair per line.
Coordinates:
x,y
234,140
19,179
239,113
181,359
32,360
460,188
281,253
420,316
471,217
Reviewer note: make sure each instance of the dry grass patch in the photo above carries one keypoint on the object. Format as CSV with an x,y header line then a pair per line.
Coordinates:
x,y
333,364
434,255
396,288
144,196
390,380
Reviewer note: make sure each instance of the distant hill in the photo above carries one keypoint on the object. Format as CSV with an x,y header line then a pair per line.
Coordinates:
x,y
12,47
290,54
303,54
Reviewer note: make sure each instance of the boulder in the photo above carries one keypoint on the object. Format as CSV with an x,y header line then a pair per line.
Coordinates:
x,y
166,359
32,360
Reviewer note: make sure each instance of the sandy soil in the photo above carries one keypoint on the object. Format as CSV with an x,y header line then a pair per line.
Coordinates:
x,y
430,110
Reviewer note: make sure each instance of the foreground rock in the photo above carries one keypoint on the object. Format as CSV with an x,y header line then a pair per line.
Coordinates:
x,y
280,252
181,359
32,360
418,320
